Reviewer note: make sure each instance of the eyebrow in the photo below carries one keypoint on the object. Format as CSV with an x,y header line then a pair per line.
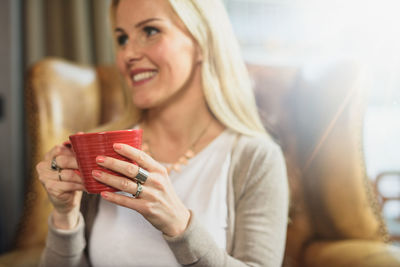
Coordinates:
x,y
139,24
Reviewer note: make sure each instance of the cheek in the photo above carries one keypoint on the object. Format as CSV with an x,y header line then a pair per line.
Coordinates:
x,y
177,57
120,63
162,52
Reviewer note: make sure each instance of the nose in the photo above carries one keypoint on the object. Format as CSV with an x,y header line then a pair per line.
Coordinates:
x,y
132,53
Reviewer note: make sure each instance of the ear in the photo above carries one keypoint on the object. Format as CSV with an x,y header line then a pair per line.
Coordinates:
x,y
199,54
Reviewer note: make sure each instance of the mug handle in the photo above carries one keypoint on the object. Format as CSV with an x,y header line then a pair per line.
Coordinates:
x,y
68,144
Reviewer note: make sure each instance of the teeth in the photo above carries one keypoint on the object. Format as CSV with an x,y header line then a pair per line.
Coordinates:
x,y
143,75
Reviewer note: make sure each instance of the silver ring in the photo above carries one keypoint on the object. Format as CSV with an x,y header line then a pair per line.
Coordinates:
x,y
138,191
142,175
59,174
54,165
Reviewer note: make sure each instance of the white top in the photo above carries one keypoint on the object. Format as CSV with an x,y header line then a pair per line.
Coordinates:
x,y
122,237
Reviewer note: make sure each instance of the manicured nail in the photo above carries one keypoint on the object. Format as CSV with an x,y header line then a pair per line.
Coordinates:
x,y
117,146
100,159
96,173
104,194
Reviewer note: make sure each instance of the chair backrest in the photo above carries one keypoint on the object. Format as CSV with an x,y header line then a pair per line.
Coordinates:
x,y
61,98
317,115
317,120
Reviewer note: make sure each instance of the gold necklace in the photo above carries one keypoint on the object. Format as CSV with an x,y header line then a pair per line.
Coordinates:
x,y
182,160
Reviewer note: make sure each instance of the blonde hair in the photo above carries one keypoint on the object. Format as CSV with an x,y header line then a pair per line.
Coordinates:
x,y
226,82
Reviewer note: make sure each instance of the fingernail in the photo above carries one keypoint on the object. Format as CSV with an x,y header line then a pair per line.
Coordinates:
x,y
100,159
96,173
117,146
104,194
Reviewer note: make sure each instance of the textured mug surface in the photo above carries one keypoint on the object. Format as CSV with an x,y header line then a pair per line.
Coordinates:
x,y
90,145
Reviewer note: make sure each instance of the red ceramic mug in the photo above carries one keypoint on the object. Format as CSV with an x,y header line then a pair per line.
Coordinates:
x,y
88,146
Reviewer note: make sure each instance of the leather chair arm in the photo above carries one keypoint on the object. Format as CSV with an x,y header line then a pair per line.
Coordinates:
x,y
26,257
355,253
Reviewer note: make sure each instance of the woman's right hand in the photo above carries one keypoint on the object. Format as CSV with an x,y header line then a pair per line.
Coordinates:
x,y
64,186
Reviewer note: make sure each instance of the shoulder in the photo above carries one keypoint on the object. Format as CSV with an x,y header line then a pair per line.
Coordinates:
x,y
257,148
257,162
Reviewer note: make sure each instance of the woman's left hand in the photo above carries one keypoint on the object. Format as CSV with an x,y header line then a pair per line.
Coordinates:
x,y
158,202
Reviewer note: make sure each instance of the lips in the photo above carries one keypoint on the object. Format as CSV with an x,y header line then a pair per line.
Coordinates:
x,y
139,76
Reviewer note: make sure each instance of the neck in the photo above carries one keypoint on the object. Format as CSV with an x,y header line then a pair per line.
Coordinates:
x,y
175,124
171,129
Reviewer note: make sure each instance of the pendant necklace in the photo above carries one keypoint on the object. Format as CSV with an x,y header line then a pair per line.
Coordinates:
x,y
182,160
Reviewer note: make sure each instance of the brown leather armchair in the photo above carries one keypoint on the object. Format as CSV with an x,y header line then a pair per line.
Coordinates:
x,y
335,220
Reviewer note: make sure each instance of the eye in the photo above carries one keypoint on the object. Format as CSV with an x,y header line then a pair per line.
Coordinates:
x,y
150,30
122,39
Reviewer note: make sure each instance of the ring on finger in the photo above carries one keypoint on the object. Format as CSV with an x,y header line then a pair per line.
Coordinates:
x,y
142,176
54,165
138,191
59,174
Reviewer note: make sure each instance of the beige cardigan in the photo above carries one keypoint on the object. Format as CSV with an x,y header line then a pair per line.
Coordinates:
x,y
257,217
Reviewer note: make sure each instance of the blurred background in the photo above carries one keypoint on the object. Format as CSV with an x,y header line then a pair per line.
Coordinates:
x,y
300,33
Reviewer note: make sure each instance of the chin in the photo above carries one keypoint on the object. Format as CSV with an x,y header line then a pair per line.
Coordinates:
x,y
148,99
143,103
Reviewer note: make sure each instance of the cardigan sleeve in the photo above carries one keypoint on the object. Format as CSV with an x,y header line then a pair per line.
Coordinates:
x,y
262,206
261,212
65,247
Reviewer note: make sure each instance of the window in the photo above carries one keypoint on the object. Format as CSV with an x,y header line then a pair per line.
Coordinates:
x,y
300,32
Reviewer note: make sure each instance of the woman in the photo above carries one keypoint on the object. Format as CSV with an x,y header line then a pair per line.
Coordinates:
x,y
213,188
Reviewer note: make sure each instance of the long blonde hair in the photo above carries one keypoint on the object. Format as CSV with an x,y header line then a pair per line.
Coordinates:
x,y
226,82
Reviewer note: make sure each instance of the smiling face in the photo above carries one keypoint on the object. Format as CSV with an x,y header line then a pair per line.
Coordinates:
x,y
155,53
